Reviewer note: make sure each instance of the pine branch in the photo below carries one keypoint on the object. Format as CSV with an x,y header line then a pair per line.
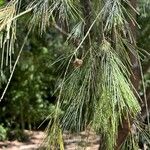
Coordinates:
x,y
61,30
65,34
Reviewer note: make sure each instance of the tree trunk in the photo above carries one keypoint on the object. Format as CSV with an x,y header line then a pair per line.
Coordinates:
x,y
125,128
87,17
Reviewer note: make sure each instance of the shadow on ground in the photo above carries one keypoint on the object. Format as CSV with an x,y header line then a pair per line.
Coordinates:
x,y
72,142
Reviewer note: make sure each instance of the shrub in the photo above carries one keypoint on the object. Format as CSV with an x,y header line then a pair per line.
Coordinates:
x,y
3,133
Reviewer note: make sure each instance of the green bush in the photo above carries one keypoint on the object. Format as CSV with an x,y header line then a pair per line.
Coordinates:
x,y
3,133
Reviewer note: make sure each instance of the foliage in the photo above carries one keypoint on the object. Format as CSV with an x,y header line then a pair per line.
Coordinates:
x,y
94,89
3,133
30,96
1,2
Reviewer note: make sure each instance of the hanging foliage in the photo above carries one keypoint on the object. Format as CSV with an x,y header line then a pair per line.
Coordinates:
x,y
96,90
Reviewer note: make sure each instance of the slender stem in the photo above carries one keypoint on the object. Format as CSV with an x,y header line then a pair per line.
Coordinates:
x,y
14,67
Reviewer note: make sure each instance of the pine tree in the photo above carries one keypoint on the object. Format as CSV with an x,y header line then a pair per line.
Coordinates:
x,y
100,81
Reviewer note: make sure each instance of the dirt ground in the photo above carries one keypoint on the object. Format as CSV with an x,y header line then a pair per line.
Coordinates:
x,y
72,142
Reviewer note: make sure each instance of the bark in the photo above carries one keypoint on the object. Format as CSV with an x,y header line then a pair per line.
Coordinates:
x,y
136,77
86,7
123,132
146,67
125,128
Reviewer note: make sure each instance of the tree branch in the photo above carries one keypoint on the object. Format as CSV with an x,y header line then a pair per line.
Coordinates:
x,y
74,41
61,30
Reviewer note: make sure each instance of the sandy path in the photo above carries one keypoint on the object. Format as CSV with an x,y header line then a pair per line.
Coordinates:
x,y
72,142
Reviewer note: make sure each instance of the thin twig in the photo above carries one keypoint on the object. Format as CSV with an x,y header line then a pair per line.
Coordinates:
x,y
60,30
14,67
